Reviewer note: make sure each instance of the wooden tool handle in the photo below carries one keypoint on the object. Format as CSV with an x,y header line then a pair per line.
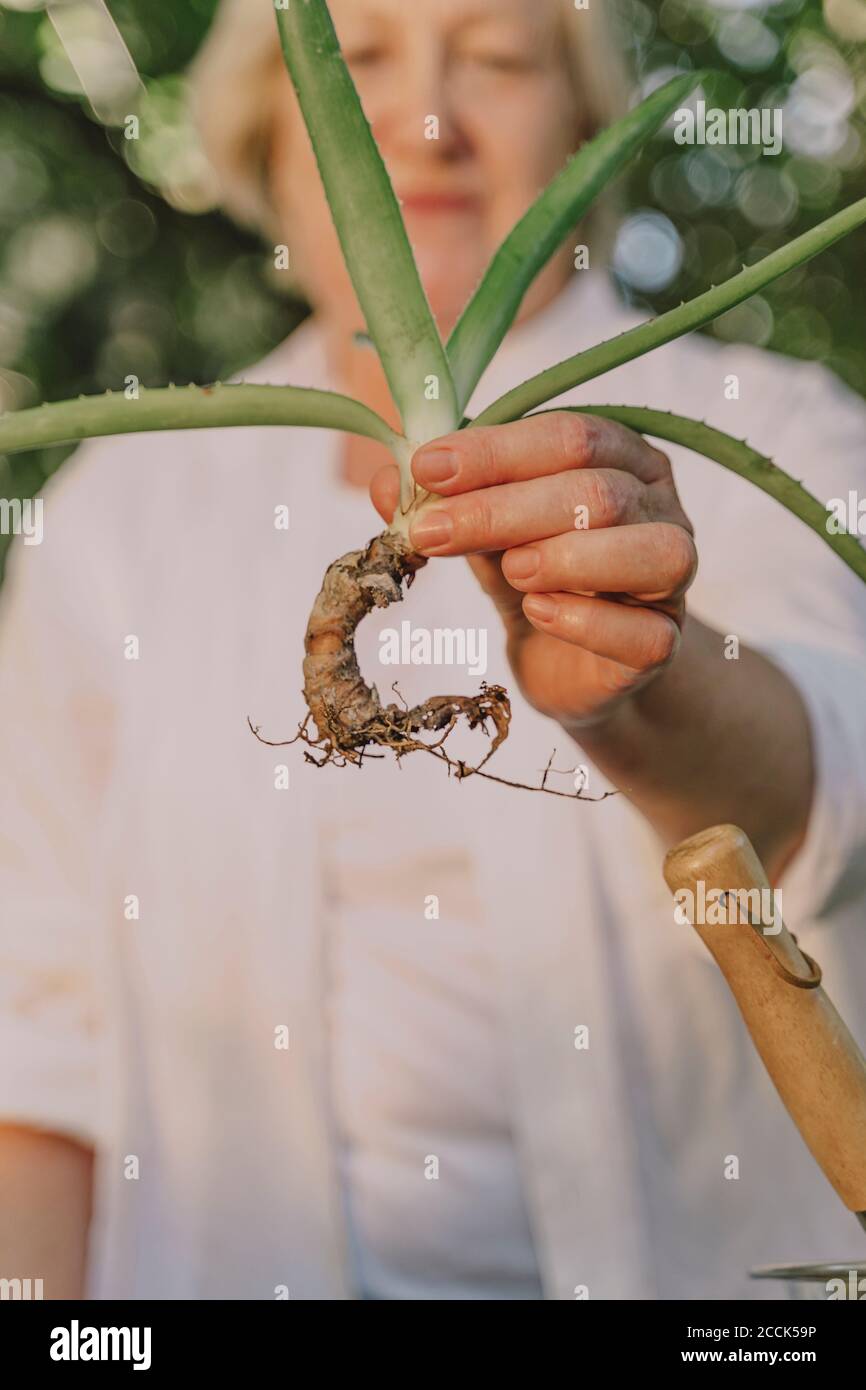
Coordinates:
x,y
814,1063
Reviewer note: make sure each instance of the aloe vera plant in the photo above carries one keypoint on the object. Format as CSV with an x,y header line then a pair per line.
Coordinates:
x,y
431,382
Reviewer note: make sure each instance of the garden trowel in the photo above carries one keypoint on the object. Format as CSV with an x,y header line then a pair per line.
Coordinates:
x,y
813,1061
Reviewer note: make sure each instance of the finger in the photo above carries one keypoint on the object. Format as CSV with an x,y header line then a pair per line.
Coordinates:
x,y
640,638
385,490
530,448
509,603
653,561
498,518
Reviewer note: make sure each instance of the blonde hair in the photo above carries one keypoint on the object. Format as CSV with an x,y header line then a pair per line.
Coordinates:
x,y
234,77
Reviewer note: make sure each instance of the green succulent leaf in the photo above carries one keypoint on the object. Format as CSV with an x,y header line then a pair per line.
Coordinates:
x,y
742,459
369,224
530,245
594,362
188,408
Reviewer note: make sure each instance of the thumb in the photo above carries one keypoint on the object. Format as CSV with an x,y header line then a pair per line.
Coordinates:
x,y
385,490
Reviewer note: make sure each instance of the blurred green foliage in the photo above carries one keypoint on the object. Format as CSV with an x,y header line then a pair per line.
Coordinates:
x,y
699,213
109,265
99,274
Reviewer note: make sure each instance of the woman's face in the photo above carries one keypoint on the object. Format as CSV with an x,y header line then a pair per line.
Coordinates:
x,y
472,105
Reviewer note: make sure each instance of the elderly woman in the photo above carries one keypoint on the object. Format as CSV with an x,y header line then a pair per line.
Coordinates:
x,y
271,1030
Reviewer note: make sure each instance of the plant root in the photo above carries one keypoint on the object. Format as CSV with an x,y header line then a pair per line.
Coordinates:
x,y
348,714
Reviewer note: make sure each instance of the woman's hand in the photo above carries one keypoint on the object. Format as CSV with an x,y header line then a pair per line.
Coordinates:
x,y
573,526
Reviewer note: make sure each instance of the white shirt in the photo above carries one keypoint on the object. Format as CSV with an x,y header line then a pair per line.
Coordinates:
x,y
226,1162
433,1194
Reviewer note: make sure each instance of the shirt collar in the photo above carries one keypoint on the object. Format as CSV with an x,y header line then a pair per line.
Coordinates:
x,y
586,310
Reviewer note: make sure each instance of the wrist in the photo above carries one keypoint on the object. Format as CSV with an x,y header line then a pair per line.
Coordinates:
x,y
638,710
627,739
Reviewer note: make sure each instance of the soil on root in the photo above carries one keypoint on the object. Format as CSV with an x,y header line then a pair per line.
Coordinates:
x,y
348,713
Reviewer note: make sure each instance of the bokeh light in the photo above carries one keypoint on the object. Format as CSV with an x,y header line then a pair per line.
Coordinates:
x,y
648,251
733,204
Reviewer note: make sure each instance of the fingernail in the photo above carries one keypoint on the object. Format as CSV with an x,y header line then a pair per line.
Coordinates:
x,y
431,531
434,466
523,563
540,607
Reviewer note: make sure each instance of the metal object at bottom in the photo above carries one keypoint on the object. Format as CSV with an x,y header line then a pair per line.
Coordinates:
x,y
837,1282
